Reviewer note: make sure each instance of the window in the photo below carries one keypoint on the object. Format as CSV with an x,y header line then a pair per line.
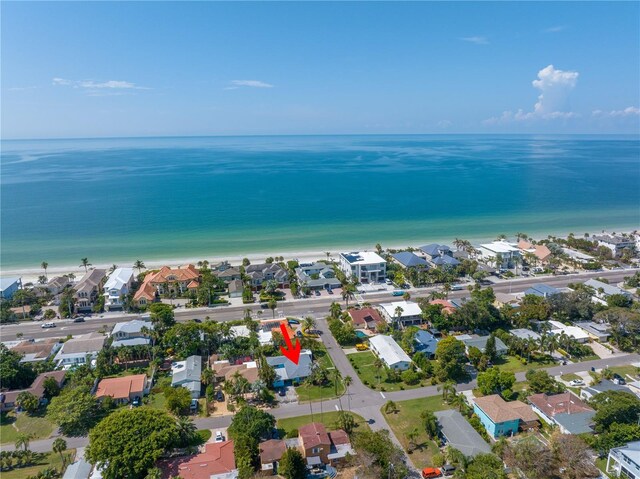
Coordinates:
x,y
316,450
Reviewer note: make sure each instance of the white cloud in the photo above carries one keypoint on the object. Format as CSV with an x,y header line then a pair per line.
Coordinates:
x,y
555,29
476,39
93,86
249,83
629,111
445,124
555,87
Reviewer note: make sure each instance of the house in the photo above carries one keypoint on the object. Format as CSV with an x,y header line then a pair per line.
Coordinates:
x,y
578,256
480,342
259,273
21,312
236,288
523,333
616,244
603,290
88,289
57,284
8,286
439,255
502,418
411,313
220,266
542,290
589,392
79,350
447,306
37,351
597,331
229,274
287,372
130,333
8,398
540,251
187,374
78,470
366,318
500,253
557,328
271,452
118,284
317,276
624,461
456,432
123,389
407,259
565,410
506,299
319,447
366,266
216,461
225,370
389,352
167,281
426,343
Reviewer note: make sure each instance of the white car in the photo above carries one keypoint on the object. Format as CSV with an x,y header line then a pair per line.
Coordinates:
x,y
577,382
48,325
219,436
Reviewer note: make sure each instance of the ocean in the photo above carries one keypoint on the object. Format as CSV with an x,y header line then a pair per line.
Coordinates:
x,y
118,200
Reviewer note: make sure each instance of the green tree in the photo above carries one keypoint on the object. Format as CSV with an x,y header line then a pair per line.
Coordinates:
x,y
13,373
613,407
451,357
23,440
346,422
67,303
494,381
541,382
59,446
292,465
177,399
74,411
162,317
28,402
128,442
272,304
44,265
186,429
334,310
51,388
485,466
382,453
266,372
139,265
618,301
84,262
429,423
490,348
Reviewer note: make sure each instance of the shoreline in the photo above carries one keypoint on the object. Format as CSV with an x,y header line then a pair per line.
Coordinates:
x,y
32,274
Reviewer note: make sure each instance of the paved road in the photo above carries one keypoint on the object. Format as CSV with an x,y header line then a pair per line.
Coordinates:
x,y
317,307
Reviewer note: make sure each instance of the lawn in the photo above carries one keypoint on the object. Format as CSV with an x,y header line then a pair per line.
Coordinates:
x,y
51,460
408,418
590,357
363,364
512,364
601,463
37,425
569,377
313,393
626,370
157,401
327,418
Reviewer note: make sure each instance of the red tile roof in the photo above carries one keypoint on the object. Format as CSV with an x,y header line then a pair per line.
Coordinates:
x,y
313,434
361,317
447,306
121,388
272,450
339,437
567,403
168,275
217,458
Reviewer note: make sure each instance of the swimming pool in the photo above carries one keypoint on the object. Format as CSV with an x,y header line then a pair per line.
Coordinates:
x,y
361,335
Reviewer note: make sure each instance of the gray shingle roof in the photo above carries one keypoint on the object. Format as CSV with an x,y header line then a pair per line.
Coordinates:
x,y
286,370
460,434
408,259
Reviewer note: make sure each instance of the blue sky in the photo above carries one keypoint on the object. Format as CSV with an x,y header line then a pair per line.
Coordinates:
x,y
91,69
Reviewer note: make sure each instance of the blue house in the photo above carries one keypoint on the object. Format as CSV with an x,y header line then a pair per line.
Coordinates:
x,y
426,343
496,415
8,286
542,290
287,372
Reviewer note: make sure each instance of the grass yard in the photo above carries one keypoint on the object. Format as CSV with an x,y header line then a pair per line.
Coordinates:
x,y
591,357
327,418
407,419
626,371
157,401
314,393
363,364
52,459
601,463
512,364
569,377
204,434
11,424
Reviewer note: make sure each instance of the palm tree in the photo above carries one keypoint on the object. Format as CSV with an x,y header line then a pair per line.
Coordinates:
x,y
378,365
328,253
44,265
42,279
272,306
429,423
458,401
113,268
411,437
347,382
347,293
124,355
447,289
186,429
390,407
85,262
22,440
59,446
208,376
335,310
139,265
308,323
398,312
447,388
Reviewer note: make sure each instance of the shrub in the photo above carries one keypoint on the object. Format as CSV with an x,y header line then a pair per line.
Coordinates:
x,y
438,460
291,434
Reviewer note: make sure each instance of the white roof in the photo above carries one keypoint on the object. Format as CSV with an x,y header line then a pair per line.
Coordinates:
x,y
363,257
524,333
571,331
500,247
388,350
409,308
240,331
607,288
576,254
119,278
133,326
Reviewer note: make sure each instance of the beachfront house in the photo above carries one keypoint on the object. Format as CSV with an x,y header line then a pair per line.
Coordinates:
x,y
601,291
407,259
259,273
616,244
624,461
118,285
402,313
8,286
501,254
288,373
565,410
187,374
539,253
439,255
88,289
367,266
56,285
229,274
175,281
131,333
391,354
502,418
317,276
80,350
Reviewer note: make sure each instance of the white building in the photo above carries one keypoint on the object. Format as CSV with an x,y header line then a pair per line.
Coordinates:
x,y
578,256
557,328
80,350
367,266
411,313
603,290
389,352
625,461
187,374
617,244
490,252
129,333
118,284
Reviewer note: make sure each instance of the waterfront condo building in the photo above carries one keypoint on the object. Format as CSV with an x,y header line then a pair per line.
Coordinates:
x,y
367,266
118,284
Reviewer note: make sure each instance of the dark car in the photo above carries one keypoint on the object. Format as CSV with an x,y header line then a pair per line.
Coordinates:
x,y
136,401
330,291
196,320
193,407
617,379
79,319
282,392
317,293
219,396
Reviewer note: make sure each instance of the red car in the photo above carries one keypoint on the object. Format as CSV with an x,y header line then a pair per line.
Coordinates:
x,y
429,472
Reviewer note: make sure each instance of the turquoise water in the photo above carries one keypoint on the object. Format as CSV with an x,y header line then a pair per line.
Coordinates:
x,y
117,200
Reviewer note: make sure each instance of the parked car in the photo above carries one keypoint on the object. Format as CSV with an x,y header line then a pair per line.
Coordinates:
x,y
617,379
282,392
220,396
196,320
79,319
447,469
457,287
219,436
193,407
136,401
330,291
397,292
293,321
576,382
48,325
361,347
429,472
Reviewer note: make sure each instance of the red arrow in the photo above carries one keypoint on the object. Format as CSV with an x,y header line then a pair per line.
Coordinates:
x,y
291,352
